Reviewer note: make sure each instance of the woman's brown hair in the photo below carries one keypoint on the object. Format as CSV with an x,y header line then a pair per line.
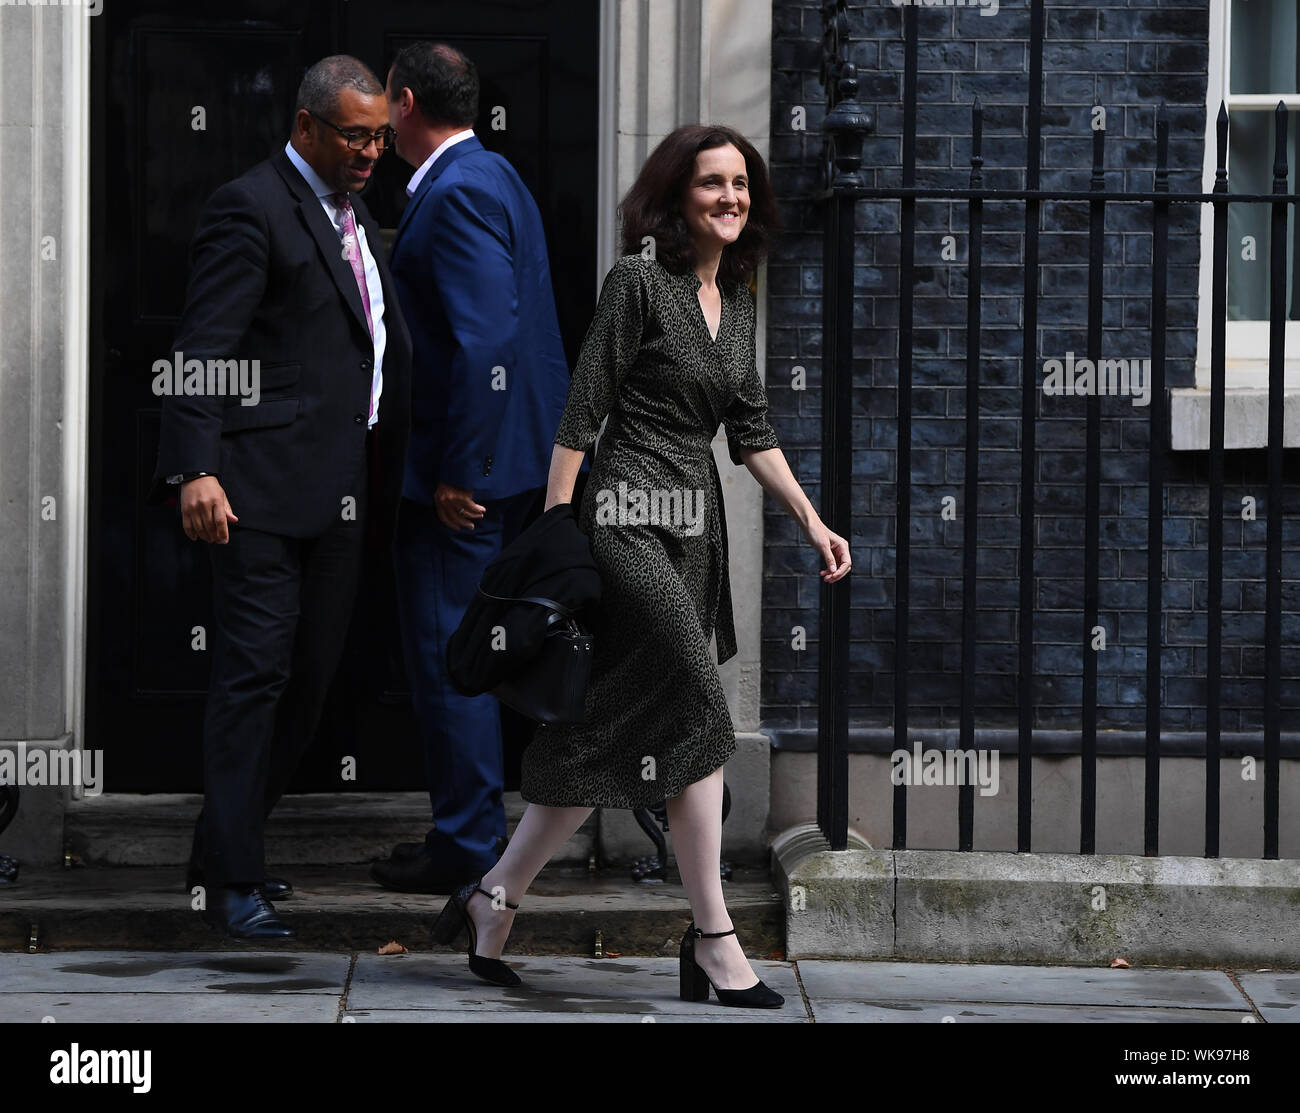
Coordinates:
x,y
653,206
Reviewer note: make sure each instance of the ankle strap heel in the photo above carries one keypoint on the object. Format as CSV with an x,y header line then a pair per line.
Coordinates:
x,y
455,917
490,897
696,983
709,934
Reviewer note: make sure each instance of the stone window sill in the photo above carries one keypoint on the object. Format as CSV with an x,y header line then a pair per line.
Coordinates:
x,y
1245,418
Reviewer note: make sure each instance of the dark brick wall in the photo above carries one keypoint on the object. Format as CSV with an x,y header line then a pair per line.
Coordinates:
x,y
1127,57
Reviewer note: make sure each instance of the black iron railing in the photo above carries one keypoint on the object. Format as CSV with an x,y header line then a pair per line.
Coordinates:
x,y
847,123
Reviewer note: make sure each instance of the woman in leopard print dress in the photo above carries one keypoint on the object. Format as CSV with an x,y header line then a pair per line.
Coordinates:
x,y
651,363
669,356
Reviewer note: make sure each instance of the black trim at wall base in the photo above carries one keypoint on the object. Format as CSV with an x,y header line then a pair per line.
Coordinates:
x,y
1110,743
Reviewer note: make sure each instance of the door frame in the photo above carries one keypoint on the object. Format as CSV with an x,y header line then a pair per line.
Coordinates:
x,y
706,66
76,368
77,324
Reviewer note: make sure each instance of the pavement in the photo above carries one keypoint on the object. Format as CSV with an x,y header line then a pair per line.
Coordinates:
x,y
125,986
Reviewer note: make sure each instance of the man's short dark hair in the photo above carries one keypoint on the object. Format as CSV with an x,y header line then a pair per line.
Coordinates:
x,y
443,81
323,82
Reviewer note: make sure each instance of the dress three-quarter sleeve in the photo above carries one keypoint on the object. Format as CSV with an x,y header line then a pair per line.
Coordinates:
x,y
745,418
610,348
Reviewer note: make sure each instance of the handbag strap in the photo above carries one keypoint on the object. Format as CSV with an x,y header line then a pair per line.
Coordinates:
x,y
541,601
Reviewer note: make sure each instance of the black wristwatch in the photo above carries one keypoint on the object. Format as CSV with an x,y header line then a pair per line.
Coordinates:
x,y
185,477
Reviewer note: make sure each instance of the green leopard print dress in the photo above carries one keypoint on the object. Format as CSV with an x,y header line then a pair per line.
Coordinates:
x,y
656,714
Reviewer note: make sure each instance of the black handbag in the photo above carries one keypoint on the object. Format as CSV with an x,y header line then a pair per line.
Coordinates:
x,y
552,687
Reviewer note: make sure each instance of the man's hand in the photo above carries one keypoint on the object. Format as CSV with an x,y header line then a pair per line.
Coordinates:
x,y
456,507
205,511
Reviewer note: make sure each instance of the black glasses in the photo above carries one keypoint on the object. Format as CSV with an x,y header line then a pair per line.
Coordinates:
x,y
360,140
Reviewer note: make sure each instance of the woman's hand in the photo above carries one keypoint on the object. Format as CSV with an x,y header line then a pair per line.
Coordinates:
x,y
833,548
769,467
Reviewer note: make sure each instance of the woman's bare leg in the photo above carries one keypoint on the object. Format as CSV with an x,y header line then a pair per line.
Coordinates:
x,y
541,832
695,825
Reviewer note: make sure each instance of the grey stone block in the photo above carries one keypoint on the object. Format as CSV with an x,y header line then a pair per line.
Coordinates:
x,y
35,837
1003,907
1245,418
18,38
1094,908
837,902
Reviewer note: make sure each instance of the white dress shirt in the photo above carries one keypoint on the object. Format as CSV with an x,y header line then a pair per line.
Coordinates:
x,y
450,141
374,286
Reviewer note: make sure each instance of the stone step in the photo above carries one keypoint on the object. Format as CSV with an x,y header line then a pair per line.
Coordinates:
x,y
311,829
339,907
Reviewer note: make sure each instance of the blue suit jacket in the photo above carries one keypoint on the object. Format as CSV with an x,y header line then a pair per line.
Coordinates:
x,y
489,375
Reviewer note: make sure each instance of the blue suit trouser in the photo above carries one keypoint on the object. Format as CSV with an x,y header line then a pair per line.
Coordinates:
x,y
438,571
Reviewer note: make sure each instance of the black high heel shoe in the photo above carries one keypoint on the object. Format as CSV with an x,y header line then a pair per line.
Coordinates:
x,y
695,982
455,915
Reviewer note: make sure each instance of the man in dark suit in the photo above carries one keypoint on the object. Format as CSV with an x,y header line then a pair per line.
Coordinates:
x,y
287,270
488,385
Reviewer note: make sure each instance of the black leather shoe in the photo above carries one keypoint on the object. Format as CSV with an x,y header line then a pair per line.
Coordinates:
x,y
409,851
275,888
418,874
243,912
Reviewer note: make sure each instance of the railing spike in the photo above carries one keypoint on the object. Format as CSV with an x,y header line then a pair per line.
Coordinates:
x,y
1279,148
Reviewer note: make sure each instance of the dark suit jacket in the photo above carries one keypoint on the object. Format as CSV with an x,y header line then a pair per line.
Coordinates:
x,y
268,281
472,273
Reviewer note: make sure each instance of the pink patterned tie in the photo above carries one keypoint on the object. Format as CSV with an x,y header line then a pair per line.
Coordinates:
x,y
352,253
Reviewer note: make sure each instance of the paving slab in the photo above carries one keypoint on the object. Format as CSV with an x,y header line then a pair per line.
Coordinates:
x,y
209,1006
1276,994
1046,985
306,987
126,972
479,1016
617,987
830,1011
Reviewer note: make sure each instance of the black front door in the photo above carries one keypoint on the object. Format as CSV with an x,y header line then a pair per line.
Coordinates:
x,y
185,98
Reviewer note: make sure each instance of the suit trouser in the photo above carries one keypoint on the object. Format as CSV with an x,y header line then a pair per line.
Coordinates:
x,y
438,571
281,608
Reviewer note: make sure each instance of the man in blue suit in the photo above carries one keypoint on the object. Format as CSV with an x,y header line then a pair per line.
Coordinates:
x,y
489,380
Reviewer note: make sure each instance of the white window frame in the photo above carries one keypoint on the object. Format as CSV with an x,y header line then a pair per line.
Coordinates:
x,y
1245,420
1247,341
